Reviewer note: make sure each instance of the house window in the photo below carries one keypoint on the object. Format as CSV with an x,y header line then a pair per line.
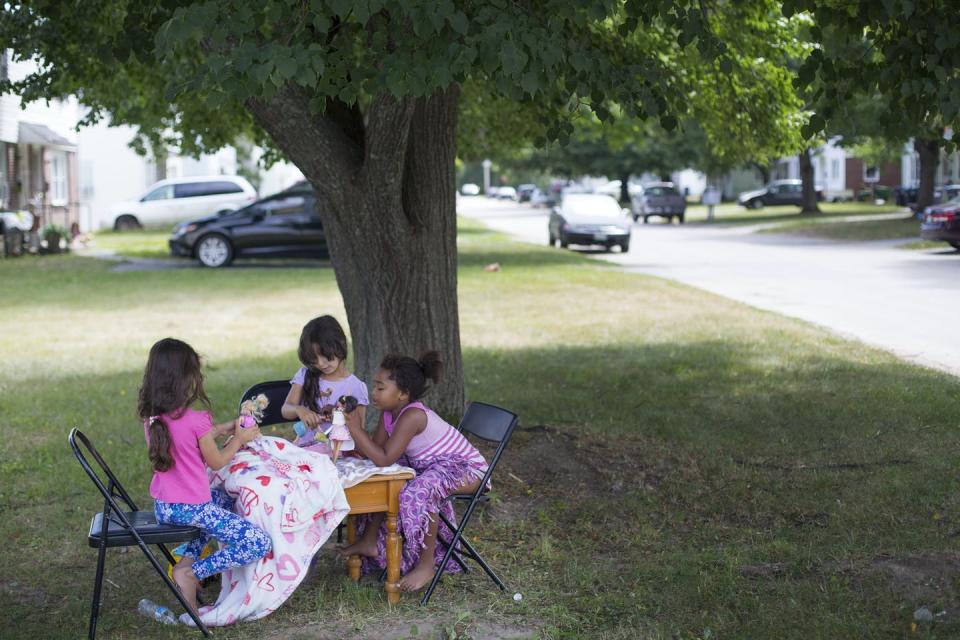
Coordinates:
x,y
59,193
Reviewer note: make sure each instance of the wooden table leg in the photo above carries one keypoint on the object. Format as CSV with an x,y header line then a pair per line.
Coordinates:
x,y
392,585
353,563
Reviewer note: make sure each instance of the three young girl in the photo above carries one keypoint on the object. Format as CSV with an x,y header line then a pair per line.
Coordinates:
x,y
181,440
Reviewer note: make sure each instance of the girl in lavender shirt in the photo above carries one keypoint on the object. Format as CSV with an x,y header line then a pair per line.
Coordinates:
x,y
322,379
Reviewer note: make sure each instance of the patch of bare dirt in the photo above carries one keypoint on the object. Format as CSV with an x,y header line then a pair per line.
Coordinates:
x,y
432,627
927,579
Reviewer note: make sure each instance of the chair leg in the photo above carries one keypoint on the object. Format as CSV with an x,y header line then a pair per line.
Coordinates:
x,y
456,556
457,535
171,585
475,555
97,584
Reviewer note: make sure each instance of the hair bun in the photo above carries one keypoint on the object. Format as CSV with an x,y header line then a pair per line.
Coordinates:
x,y
431,365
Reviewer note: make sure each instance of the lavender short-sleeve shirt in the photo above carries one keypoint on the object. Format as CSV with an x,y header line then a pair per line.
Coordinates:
x,y
331,390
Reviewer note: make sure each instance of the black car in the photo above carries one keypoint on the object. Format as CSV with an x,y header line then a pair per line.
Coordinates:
x,y
286,225
778,192
942,222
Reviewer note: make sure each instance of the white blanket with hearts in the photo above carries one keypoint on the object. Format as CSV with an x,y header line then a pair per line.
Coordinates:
x,y
293,494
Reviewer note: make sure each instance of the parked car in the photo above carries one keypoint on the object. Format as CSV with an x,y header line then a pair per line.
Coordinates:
x,y
942,222
778,192
907,196
491,192
659,199
286,224
506,193
589,219
469,189
178,199
543,198
525,192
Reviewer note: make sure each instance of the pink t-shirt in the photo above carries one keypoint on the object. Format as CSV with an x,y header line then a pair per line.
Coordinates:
x,y
186,481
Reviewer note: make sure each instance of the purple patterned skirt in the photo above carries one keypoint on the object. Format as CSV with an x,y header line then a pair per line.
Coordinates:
x,y
420,500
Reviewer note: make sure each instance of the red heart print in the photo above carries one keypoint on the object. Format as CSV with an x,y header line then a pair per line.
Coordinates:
x,y
266,582
267,508
264,480
281,445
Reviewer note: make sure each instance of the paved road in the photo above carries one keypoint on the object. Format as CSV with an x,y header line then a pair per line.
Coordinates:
x,y
904,301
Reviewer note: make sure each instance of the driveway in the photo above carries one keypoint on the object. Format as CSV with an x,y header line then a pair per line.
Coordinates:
x,y
903,301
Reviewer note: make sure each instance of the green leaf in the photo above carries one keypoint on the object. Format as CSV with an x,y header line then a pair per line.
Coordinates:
x,y
459,22
512,58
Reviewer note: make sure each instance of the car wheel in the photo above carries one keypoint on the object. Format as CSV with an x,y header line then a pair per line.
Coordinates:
x,y
646,219
680,218
564,243
756,203
635,217
552,241
214,251
625,246
127,223
955,244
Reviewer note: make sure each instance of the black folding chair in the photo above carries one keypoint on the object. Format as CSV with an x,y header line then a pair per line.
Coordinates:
x,y
493,424
115,527
276,392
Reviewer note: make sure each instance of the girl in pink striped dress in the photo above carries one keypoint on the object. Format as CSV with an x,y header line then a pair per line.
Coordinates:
x,y
445,461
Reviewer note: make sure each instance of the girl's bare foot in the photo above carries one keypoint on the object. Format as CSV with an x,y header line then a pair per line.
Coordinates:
x,y
188,583
366,548
418,578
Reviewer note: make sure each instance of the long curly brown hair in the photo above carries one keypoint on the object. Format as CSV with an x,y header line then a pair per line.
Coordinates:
x,y
172,381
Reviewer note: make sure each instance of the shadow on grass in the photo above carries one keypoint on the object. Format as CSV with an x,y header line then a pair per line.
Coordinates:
x,y
699,408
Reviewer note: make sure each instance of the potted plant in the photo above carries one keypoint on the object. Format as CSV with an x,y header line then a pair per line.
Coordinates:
x,y
53,233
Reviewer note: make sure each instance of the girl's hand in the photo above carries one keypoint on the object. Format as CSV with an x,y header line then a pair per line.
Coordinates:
x,y
353,421
247,435
309,418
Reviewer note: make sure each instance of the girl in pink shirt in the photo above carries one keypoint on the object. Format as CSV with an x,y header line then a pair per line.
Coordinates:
x,y
181,441
445,461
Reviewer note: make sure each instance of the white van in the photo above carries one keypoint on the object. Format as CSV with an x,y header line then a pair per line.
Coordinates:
x,y
178,199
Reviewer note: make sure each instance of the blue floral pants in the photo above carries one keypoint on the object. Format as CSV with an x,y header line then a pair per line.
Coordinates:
x,y
240,542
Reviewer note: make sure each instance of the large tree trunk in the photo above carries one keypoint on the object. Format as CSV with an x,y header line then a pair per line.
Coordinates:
x,y
809,202
928,151
625,189
387,183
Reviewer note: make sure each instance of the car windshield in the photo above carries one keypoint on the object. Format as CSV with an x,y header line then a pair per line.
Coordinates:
x,y
660,191
590,206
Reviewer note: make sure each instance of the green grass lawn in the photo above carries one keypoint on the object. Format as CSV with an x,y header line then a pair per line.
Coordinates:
x,y
147,243
892,228
689,467
733,213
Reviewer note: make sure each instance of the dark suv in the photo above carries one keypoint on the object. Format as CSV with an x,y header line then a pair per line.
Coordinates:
x,y
286,224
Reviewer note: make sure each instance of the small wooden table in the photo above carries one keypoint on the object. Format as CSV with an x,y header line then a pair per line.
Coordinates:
x,y
373,495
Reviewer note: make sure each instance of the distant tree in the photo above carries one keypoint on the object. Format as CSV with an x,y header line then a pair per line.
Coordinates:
x,y
905,54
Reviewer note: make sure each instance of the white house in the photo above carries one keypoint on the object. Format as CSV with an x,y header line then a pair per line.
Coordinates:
x,y
38,153
68,176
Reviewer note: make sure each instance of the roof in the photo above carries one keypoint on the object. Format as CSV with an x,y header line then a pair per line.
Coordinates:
x,y
32,133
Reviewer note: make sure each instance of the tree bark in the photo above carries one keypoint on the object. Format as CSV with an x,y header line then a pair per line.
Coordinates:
x,y
764,172
928,151
809,201
388,202
625,189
